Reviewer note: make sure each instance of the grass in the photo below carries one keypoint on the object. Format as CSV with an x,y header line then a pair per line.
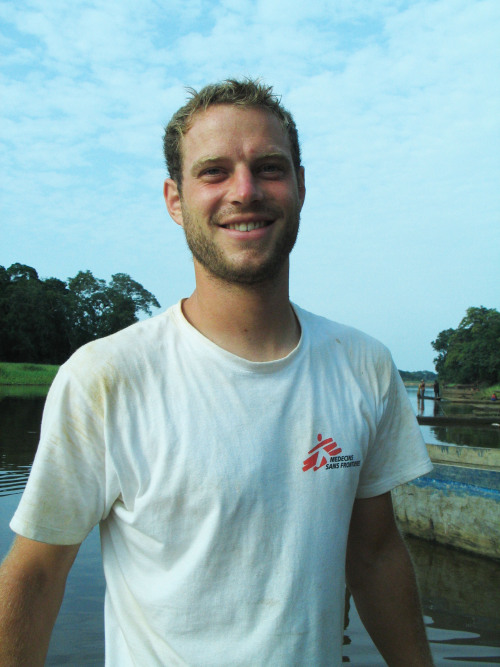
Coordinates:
x,y
487,391
27,374
482,393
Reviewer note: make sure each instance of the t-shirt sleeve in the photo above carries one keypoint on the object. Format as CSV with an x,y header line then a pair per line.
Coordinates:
x,y
397,453
68,491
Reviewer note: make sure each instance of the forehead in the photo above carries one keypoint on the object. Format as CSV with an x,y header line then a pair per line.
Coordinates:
x,y
226,130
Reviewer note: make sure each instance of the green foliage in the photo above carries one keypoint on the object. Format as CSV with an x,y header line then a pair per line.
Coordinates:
x,y
417,376
486,392
470,354
44,321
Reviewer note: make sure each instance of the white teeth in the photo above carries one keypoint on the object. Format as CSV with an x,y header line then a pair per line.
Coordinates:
x,y
247,226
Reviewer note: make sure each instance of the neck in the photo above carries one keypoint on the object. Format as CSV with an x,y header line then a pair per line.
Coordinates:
x,y
255,322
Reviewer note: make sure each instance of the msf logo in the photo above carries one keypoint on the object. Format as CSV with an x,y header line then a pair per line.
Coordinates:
x,y
331,448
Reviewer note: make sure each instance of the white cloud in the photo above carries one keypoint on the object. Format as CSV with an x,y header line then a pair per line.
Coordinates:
x,y
397,104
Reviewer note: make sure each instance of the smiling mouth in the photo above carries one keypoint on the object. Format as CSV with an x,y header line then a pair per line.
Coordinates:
x,y
248,226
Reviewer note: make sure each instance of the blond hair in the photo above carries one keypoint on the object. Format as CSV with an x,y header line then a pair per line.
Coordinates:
x,y
244,94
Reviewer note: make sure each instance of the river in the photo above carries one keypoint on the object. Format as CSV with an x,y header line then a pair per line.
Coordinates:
x,y
460,598
471,436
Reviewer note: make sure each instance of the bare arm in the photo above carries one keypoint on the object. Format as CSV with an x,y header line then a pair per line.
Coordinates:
x,y
32,581
381,579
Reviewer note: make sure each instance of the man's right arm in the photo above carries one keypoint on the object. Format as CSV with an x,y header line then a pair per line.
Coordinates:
x,y
32,581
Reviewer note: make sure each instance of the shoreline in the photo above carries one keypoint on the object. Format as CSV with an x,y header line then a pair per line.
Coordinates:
x,y
27,374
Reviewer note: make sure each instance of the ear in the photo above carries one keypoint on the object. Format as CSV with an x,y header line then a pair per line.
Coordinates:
x,y
173,200
301,181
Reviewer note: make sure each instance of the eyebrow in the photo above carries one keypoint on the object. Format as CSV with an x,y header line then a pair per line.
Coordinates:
x,y
214,159
204,162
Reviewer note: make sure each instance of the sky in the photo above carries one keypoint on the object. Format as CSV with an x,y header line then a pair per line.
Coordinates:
x,y
398,109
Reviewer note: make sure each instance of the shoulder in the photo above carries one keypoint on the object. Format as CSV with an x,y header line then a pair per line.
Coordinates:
x,y
351,354
325,332
129,342
112,361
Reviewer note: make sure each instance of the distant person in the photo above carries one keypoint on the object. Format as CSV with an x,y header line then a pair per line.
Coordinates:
x,y
493,397
421,390
436,389
237,451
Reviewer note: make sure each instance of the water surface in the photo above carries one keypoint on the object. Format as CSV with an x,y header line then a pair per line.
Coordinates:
x,y
471,436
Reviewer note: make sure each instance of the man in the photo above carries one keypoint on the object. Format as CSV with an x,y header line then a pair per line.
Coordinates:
x,y
236,450
436,389
421,389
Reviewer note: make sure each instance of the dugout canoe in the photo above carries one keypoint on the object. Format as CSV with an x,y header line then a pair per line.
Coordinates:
x,y
460,420
458,503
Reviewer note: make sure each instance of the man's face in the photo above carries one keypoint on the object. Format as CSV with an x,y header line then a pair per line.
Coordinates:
x,y
241,198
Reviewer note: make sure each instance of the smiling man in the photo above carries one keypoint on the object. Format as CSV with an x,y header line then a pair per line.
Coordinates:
x,y
237,451
241,194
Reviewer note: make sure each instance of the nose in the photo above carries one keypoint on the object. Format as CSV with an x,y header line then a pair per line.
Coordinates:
x,y
245,187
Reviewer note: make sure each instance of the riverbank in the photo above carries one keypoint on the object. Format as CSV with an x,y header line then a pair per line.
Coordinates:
x,y
27,374
461,393
43,374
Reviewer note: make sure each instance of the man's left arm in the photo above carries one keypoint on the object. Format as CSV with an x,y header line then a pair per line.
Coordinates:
x,y
382,582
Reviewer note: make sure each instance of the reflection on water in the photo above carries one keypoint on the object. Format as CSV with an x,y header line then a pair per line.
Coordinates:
x,y
19,433
460,596
460,592
461,605
472,436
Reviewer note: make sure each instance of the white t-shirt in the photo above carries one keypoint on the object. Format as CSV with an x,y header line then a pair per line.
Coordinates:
x,y
223,487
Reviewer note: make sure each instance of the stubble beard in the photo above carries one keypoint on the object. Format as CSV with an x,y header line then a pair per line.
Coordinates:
x,y
212,258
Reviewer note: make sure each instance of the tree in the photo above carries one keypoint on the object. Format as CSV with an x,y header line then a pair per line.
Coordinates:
x,y
57,344
417,376
44,321
128,298
441,346
100,309
22,315
89,303
471,353
17,272
122,285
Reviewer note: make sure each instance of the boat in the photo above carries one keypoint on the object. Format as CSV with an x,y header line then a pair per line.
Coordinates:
x,y
456,504
459,420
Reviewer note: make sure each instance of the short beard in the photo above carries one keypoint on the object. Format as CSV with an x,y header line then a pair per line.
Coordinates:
x,y
209,255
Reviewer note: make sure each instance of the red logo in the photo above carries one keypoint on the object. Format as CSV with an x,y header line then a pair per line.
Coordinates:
x,y
330,447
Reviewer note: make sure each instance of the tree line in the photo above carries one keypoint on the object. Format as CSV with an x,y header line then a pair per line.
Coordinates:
x,y
470,354
417,376
46,320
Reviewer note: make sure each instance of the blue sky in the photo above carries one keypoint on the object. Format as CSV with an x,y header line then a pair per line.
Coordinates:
x,y
398,108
